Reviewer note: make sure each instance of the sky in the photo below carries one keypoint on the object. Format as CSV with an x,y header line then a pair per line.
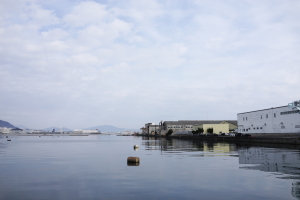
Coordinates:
x,y
125,63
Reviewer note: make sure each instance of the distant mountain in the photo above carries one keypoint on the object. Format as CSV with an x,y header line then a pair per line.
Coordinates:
x,y
57,129
6,124
109,128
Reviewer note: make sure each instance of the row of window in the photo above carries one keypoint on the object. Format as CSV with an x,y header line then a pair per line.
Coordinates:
x,y
247,129
281,113
289,112
179,127
267,116
282,127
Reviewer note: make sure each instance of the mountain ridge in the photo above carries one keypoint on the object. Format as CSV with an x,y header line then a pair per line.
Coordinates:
x,y
6,124
101,128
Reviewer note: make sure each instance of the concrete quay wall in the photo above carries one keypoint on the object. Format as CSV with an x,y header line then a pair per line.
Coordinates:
x,y
271,139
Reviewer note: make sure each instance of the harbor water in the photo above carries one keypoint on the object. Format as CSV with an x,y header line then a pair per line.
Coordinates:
x,y
95,167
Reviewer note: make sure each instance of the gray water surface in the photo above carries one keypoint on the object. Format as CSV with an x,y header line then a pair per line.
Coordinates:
x,y
95,167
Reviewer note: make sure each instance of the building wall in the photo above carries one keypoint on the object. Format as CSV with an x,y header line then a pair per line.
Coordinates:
x,y
154,128
181,127
274,120
224,128
231,126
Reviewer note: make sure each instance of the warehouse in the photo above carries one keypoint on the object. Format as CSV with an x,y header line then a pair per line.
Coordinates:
x,y
284,119
187,126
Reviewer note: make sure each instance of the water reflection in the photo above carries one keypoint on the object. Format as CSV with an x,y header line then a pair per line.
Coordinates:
x,y
133,164
189,147
284,163
94,167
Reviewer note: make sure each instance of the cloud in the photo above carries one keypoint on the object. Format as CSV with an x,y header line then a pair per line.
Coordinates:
x,y
86,13
87,63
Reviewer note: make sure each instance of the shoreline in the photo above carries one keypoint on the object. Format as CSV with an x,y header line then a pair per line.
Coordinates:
x,y
293,139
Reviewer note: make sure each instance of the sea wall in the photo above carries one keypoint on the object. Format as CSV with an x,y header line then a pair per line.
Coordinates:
x,y
286,138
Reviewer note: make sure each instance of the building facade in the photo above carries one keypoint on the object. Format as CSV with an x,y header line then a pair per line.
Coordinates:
x,y
218,128
151,129
187,126
284,119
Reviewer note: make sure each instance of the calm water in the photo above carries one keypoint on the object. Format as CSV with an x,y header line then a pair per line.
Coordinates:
x,y
95,167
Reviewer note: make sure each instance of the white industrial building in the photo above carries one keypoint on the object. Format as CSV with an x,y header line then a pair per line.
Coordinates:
x,y
284,119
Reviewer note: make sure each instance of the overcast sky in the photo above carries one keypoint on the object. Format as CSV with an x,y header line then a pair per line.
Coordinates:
x,y
125,63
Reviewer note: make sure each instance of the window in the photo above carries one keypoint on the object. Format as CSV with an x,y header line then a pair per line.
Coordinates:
x,y
267,116
289,112
282,127
243,119
261,117
246,119
297,126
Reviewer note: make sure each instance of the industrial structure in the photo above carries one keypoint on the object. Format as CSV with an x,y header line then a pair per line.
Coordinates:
x,y
284,119
185,127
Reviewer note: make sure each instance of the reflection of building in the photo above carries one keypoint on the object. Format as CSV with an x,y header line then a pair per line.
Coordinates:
x,y
217,147
283,161
181,147
285,119
271,160
296,190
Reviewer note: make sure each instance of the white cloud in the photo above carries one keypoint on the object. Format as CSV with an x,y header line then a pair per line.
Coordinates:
x,y
127,63
87,13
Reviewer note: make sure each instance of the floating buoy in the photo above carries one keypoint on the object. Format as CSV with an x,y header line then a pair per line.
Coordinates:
x,y
8,140
133,160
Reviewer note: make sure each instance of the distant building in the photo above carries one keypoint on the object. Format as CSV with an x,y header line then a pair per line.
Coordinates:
x,y
151,129
127,132
284,119
82,131
16,130
90,131
5,130
218,128
187,126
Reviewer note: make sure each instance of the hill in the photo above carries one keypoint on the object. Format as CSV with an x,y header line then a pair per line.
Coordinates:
x,y
6,124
